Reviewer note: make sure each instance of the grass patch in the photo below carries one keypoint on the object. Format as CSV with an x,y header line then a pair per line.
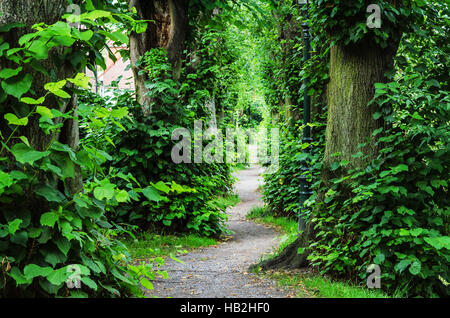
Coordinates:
x,y
147,245
227,200
306,284
287,226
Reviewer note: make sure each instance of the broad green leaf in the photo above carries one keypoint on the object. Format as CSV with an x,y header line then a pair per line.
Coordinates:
x,y
63,245
89,282
161,186
25,154
415,268
152,194
32,270
104,191
51,194
25,140
18,85
122,196
8,72
14,120
13,226
49,219
59,276
44,112
146,283
80,80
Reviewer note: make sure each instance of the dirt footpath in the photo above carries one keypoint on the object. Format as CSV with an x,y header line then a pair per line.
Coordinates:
x,y
221,271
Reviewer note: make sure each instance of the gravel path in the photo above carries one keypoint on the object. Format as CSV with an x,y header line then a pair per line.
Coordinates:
x,y
221,271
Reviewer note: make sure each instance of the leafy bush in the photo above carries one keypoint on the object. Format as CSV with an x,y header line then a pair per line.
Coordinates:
x,y
396,212
52,227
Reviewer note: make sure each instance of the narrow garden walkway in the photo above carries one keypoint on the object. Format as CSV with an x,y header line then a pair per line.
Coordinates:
x,y
222,271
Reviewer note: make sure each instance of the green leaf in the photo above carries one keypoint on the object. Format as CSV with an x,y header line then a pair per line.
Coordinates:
x,y
44,112
399,168
146,283
89,282
56,88
161,186
438,242
415,268
32,101
80,80
8,72
51,194
104,191
32,270
122,196
17,86
49,219
59,276
401,266
25,140
63,245
13,226
25,154
379,259
151,194
14,120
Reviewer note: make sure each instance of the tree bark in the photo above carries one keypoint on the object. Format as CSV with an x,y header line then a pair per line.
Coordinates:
x,y
30,12
353,73
168,31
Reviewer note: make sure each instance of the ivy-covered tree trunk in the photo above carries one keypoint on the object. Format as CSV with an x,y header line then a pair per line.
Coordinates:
x,y
30,12
353,73
167,31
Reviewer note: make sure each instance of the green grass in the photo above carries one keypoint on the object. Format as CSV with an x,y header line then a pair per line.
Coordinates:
x,y
311,285
306,284
147,245
287,226
227,200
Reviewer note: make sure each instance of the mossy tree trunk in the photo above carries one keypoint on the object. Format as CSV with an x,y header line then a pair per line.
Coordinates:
x,y
353,72
168,31
30,12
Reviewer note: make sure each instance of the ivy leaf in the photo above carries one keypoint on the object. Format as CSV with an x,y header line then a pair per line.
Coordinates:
x,y
51,194
25,154
104,191
146,283
122,196
44,112
32,270
17,86
415,268
63,245
8,72
59,276
49,219
14,120
32,101
151,194
13,226
80,80
161,186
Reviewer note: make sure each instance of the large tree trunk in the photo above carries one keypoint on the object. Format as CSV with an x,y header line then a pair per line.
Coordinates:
x,y
168,31
353,73
30,12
